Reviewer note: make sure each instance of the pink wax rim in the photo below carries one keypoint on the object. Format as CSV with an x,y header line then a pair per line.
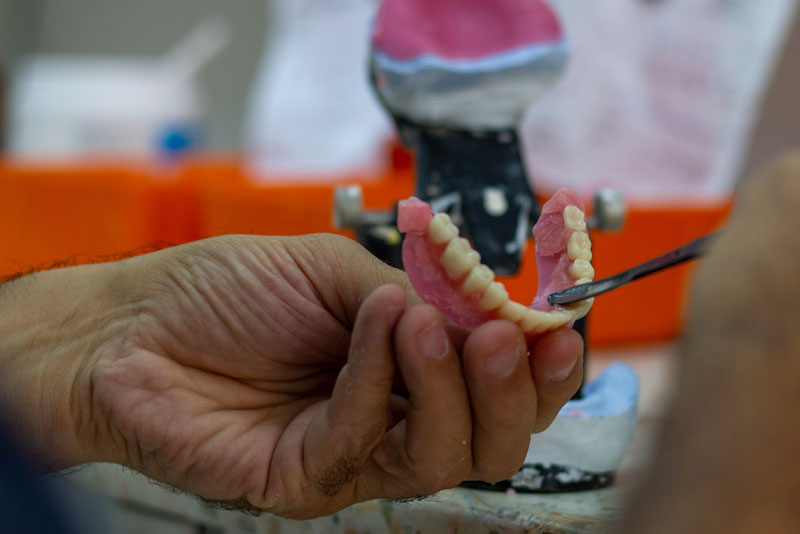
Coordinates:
x,y
462,29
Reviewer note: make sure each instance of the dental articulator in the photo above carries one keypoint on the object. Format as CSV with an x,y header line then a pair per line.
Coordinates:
x,y
457,87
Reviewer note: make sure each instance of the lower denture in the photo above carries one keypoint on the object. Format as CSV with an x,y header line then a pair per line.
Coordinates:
x,y
561,217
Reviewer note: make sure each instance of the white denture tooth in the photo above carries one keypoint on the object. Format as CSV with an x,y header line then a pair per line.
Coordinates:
x,y
582,281
579,247
574,219
441,229
478,279
532,319
493,297
581,269
528,321
538,321
512,311
459,258
580,309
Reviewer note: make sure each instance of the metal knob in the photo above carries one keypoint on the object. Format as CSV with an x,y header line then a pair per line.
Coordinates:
x,y
349,213
348,206
609,211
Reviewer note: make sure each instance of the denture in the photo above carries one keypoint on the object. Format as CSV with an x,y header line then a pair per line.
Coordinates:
x,y
446,271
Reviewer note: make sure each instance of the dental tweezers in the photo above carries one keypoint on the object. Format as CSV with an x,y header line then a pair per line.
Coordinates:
x,y
687,252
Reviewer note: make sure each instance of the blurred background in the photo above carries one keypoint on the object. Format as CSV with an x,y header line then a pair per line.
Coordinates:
x,y
225,81
146,29
125,123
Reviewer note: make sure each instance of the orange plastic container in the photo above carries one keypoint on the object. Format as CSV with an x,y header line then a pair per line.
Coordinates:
x,y
93,210
48,214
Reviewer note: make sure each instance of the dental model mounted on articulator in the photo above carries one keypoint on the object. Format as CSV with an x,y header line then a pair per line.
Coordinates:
x,y
457,77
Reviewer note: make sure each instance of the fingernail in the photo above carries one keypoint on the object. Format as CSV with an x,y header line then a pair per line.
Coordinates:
x,y
502,363
562,374
433,342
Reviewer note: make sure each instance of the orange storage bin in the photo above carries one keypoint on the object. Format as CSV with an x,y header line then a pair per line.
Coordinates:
x,y
94,210
48,214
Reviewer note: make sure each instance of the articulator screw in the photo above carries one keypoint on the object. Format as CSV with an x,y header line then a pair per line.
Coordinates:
x,y
609,211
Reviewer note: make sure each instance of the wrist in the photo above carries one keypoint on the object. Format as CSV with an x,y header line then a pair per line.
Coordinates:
x,y
53,326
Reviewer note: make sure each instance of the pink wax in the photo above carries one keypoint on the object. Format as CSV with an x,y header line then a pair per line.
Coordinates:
x,y
462,29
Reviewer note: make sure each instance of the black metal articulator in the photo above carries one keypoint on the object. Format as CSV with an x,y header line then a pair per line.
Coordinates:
x,y
476,177
479,179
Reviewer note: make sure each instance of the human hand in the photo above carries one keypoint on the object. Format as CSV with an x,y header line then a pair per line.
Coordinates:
x,y
284,374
